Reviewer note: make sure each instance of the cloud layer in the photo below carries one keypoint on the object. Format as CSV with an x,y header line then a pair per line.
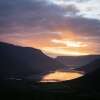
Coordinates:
x,y
37,22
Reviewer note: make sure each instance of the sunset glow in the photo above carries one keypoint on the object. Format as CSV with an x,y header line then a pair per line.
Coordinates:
x,y
57,27
70,43
63,51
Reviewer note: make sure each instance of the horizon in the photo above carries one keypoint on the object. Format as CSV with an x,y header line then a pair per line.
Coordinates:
x,y
56,27
52,56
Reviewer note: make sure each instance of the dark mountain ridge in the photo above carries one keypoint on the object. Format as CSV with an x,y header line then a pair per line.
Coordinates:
x,y
77,61
23,61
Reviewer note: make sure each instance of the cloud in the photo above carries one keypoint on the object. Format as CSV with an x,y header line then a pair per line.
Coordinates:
x,y
26,15
84,26
35,16
31,15
37,22
87,8
70,43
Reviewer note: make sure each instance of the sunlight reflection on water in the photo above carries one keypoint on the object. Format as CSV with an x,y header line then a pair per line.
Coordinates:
x,y
61,76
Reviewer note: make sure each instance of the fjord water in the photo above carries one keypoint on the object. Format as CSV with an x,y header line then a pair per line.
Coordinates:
x,y
58,76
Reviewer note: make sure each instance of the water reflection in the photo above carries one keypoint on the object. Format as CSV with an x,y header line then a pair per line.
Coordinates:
x,y
61,76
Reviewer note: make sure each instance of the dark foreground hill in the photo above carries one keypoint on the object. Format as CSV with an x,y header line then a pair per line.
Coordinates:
x,y
86,87
89,84
17,61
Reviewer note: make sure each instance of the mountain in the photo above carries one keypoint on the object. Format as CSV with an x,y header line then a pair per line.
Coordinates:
x,y
87,85
24,61
90,82
76,61
20,61
93,78
88,68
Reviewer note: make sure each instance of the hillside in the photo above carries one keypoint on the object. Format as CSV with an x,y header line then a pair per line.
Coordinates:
x,y
77,61
24,61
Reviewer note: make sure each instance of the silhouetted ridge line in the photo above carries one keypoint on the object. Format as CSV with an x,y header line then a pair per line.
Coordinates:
x,y
24,61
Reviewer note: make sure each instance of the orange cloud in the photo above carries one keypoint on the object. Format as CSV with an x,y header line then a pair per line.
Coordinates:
x,y
65,43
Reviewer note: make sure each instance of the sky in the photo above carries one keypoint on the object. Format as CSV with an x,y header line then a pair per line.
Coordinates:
x,y
57,27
